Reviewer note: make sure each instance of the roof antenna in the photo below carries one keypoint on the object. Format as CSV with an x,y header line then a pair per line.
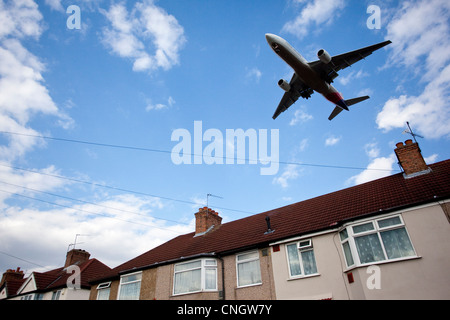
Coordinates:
x,y
210,195
409,131
75,243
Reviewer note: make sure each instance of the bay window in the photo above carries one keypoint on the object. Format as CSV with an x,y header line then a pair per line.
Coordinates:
x,y
377,240
195,276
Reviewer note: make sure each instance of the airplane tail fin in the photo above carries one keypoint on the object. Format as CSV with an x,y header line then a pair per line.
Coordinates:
x,y
349,102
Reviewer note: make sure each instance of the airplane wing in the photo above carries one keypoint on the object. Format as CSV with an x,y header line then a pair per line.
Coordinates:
x,y
330,71
298,89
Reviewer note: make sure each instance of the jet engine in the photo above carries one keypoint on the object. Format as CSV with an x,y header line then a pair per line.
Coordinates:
x,y
324,56
284,85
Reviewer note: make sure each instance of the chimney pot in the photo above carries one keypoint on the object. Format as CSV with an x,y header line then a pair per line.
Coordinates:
x,y
410,158
76,255
12,274
205,218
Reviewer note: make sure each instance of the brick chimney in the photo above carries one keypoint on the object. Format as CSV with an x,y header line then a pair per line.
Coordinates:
x,y
410,158
206,218
12,274
76,256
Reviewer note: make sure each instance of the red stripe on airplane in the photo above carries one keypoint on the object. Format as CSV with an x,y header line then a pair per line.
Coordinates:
x,y
334,97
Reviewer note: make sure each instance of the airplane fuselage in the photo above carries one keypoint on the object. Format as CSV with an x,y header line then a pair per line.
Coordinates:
x,y
301,67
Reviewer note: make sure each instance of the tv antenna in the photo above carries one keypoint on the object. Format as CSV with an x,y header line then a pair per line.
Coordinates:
x,y
409,131
76,237
211,195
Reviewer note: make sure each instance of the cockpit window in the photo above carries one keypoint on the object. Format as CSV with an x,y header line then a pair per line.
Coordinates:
x,y
275,47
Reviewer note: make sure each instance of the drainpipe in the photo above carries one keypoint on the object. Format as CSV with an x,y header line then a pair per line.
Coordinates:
x,y
223,277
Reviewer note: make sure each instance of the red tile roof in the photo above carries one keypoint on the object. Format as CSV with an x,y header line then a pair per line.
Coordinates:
x,y
317,214
12,286
57,278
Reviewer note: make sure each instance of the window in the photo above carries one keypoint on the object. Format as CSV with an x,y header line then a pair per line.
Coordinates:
x,y
130,286
39,296
377,240
301,258
248,269
346,247
195,276
56,295
103,290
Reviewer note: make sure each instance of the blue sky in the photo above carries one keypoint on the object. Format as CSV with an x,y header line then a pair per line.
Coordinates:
x,y
136,71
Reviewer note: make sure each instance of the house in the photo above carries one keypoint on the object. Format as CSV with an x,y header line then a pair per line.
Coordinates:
x,y
217,261
385,239
70,282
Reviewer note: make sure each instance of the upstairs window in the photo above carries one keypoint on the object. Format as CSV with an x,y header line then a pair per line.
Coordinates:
x,y
377,240
302,261
130,286
248,269
103,290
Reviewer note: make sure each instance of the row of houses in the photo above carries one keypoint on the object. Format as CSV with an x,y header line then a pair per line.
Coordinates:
x,y
385,239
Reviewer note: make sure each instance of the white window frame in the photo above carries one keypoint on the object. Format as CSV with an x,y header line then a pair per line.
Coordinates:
x,y
302,245
238,262
56,294
105,286
205,264
376,229
129,282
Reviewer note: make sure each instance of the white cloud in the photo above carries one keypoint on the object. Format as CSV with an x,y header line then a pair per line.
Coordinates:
x,y
303,145
290,173
429,112
254,74
20,19
300,116
332,140
431,159
23,183
22,86
314,14
160,106
351,76
147,35
121,224
372,150
55,5
379,168
420,33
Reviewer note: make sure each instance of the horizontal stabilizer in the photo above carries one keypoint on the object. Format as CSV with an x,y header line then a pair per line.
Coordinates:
x,y
349,102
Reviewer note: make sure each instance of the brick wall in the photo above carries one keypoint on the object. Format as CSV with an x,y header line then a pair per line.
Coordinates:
x,y
410,157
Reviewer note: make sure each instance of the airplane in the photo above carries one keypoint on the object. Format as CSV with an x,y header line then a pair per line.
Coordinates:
x,y
316,76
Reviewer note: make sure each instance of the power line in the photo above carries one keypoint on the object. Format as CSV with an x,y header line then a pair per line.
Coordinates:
x,y
90,203
27,261
85,211
109,145
119,189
